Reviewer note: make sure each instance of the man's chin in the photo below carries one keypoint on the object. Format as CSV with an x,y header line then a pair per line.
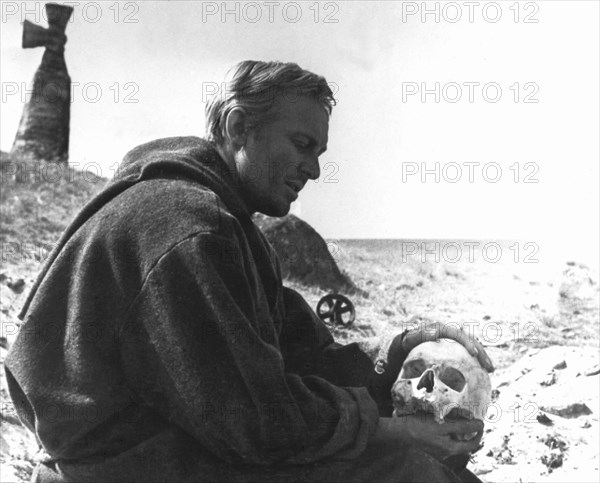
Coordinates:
x,y
276,211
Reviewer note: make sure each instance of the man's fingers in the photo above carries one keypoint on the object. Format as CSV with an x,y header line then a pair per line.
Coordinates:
x,y
480,353
474,425
468,438
455,446
464,339
483,358
435,331
425,333
450,445
463,426
475,348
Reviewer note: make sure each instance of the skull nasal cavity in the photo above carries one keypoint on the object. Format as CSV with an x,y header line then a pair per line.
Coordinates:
x,y
426,381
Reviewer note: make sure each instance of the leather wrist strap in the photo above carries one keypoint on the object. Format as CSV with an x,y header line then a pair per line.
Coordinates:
x,y
381,362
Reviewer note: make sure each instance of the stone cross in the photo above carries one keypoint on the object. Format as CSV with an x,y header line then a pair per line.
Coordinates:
x,y
43,132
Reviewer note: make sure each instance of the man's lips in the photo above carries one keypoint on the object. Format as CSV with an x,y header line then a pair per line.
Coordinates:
x,y
295,185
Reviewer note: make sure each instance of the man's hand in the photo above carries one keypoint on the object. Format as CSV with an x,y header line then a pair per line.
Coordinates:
x,y
435,330
439,440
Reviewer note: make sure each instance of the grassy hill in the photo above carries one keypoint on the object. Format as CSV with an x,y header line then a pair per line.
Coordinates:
x,y
37,201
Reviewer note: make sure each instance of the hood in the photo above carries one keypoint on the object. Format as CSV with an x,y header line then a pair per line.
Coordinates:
x,y
189,158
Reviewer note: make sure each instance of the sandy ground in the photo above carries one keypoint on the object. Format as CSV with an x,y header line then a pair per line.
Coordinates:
x,y
538,320
537,315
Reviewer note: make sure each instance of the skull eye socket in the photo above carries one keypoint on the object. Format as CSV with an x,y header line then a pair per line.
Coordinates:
x,y
414,368
453,378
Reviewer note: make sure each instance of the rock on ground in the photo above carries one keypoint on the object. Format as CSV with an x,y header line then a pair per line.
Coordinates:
x,y
305,256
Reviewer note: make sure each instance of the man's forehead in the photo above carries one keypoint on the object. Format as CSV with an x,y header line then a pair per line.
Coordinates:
x,y
305,116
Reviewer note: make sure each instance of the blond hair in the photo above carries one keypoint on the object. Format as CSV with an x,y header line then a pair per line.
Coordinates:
x,y
256,86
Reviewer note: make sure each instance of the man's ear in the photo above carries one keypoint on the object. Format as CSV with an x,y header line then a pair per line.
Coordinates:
x,y
237,126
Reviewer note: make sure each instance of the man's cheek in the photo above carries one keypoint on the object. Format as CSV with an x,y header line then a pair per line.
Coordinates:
x,y
276,170
289,170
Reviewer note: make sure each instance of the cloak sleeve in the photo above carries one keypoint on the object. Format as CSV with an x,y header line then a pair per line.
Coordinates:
x,y
309,348
199,349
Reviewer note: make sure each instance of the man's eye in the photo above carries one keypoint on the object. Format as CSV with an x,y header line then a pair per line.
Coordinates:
x,y
301,145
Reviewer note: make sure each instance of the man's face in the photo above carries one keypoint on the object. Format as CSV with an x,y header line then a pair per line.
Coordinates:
x,y
280,156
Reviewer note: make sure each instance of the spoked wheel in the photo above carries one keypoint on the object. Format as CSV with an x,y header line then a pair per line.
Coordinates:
x,y
335,309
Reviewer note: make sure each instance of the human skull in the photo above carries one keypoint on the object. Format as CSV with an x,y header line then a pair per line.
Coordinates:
x,y
441,377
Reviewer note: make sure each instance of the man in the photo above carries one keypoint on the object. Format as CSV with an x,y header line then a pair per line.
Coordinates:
x,y
159,343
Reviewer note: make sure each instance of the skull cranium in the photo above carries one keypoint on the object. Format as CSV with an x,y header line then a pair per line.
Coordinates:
x,y
442,378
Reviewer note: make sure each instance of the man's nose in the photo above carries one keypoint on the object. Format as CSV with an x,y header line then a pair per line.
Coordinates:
x,y
311,167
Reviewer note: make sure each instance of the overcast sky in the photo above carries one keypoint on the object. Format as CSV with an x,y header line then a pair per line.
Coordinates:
x,y
517,83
